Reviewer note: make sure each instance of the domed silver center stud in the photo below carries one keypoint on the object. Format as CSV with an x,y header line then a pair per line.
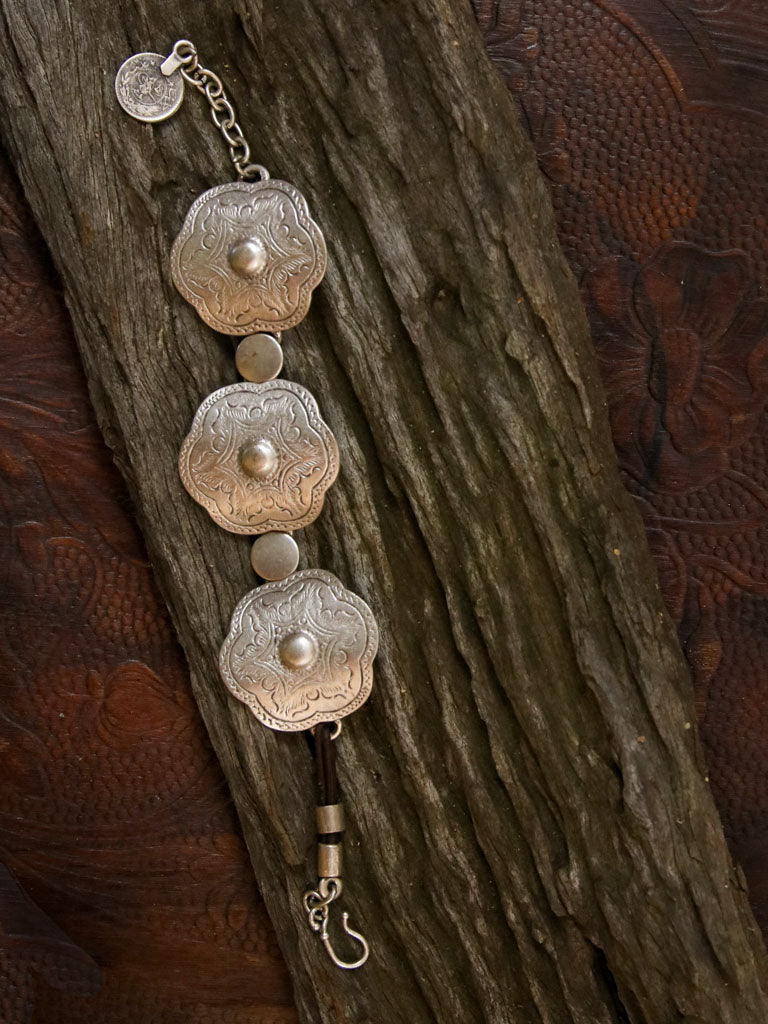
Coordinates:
x,y
258,459
297,650
248,257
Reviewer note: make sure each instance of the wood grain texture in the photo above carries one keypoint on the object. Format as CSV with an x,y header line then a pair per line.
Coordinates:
x,y
532,835
126,893
648,119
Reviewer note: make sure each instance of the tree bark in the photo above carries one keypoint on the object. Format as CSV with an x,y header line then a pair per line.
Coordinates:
x,y
532,836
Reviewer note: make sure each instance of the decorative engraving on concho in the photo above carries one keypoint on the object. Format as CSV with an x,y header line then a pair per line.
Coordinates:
x,y
300,651
248,257
259,457
144,92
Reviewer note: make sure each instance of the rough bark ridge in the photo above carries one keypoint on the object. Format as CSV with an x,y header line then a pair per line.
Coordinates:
x,y
532,838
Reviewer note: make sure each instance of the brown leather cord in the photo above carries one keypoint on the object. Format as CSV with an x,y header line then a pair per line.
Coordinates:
x,y
325,757
327,779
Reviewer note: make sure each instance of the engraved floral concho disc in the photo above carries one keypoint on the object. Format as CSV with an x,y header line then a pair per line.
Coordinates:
x,y
248,257
300,651
259,457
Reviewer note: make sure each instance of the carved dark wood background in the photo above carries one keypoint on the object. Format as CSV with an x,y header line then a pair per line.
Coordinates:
x,y
649,119
129,896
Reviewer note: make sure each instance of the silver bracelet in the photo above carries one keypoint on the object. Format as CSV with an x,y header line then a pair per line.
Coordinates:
x,y
259,457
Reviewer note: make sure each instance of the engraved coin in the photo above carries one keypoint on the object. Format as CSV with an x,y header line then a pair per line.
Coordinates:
x,y
259,457
259,357
300,651
248,256
144,92
274,556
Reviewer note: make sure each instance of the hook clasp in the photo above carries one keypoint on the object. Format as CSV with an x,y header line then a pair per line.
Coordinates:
x,y
347,965
317,903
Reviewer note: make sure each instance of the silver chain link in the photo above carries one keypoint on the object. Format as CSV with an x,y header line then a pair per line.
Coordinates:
x,y
222,112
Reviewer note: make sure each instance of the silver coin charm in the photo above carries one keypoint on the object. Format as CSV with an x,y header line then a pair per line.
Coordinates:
x,y
300,651
144,92
259,457
248,257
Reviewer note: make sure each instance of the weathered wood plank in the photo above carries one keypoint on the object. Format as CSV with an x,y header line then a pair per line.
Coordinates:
x,y
532,834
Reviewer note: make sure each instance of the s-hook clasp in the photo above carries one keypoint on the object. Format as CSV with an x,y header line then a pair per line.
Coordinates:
x,y
317,903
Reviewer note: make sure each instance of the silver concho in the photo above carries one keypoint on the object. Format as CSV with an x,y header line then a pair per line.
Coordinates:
x,y
144,92
248,257
259,457
300,651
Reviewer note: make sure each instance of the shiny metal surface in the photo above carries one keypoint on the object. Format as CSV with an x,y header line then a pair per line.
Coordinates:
x,y
259,357
274,556
248,257
144,92
329,818
332,676
259,457
317,903
330,860
298,650
185,58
